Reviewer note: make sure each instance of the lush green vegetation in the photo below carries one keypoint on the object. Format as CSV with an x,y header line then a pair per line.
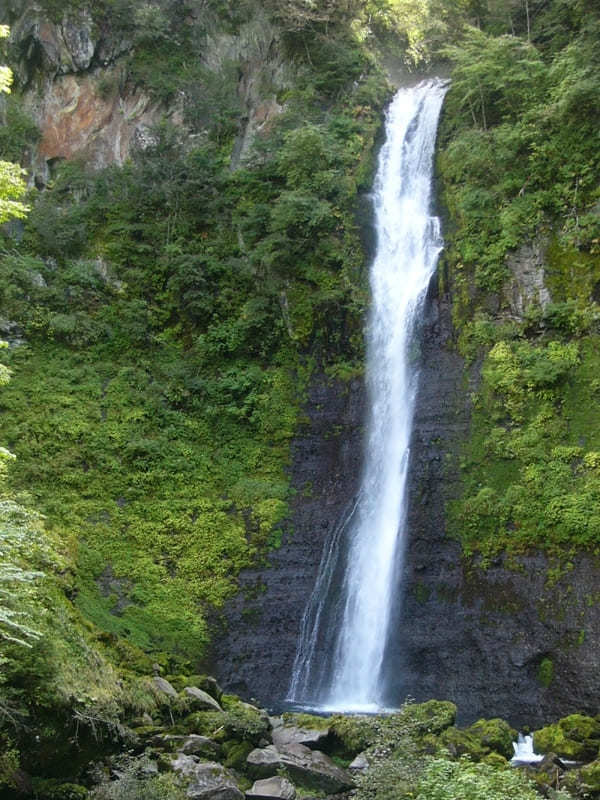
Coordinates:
x,y
168,315
173,311
519,160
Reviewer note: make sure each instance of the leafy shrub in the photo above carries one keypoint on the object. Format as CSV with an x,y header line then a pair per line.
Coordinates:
x,y
463,780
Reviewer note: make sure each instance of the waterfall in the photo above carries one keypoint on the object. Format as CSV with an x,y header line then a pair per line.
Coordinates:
x,y
343,636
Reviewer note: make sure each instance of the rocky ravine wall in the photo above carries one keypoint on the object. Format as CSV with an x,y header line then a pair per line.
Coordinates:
x,y
476,637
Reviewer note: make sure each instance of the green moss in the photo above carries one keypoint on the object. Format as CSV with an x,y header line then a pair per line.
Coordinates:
x,y
496,735
528,466
576,737
545,673
459,743
309,721
571,273
236,754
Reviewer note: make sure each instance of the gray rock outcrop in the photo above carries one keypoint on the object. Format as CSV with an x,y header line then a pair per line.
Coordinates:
x,y
264,761
315,770
163,686
310,768
200,700
285,735
208,780
275,788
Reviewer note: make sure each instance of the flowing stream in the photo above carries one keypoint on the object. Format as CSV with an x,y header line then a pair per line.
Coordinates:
x,y
338,664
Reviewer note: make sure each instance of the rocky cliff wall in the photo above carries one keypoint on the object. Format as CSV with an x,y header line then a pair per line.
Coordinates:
x,y
505,640
255,650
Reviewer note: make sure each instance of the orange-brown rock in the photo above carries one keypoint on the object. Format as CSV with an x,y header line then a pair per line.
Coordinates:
x,y
76,120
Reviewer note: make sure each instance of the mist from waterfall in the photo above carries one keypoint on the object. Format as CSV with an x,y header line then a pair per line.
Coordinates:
x,y
344,631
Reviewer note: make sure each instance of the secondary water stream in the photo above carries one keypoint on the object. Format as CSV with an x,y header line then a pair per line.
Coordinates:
x,y
344,630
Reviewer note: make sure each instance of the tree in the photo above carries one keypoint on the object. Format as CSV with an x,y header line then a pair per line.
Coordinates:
x,y
12,185
19,529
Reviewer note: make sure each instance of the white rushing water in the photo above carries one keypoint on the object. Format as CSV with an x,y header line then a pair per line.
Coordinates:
x,y
343,639
524,752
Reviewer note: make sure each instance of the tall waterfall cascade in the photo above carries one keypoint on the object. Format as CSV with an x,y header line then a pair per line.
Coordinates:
x,y
344,631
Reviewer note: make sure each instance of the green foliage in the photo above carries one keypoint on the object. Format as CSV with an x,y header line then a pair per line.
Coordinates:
x,y
132,784
516,163
462,780
17,132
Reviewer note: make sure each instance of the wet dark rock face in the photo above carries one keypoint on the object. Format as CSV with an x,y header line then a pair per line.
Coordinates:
x,y
498,642
254,656
487,639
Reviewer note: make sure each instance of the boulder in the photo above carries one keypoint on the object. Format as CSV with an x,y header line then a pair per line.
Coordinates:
x,y
195,745
575,737
264,761
314,770
285,735
164,686
359,763
495,734
200,700
207,779
276,788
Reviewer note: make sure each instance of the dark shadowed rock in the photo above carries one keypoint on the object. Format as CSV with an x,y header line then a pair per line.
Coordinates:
x,y
195,745
314,770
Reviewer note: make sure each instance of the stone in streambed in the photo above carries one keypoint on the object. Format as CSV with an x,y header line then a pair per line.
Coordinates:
x,y
275,788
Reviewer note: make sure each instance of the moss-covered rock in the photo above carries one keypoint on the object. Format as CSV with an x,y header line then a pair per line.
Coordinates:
x,y
351,735
309,721
460,742
240,722
434,716
236,754
583,782
575,737
206,683
495,734
586,781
